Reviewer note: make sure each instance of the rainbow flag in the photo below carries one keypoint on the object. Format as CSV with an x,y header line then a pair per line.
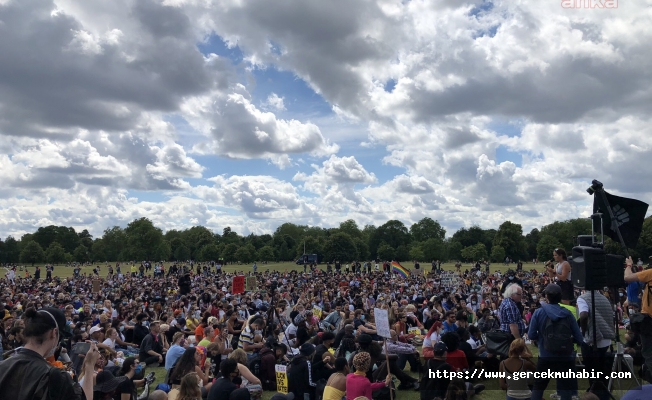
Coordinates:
x,y
399,269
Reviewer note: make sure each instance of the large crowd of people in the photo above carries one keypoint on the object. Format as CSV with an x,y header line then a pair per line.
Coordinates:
x,y
97,335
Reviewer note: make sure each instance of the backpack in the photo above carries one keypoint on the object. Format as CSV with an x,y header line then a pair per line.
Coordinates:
x,y
254,366
558,336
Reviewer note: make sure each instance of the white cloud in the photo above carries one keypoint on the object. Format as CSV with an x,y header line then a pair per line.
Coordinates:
x,y
275,102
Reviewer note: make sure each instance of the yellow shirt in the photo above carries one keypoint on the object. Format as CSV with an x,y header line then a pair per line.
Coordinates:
x,y
644,277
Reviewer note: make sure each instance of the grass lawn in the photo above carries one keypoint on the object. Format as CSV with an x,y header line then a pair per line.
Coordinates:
x,y
492,392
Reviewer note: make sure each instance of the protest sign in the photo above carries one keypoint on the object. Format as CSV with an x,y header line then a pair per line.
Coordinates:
x,y
238,284
382,323
281,379
316,311
252,284
96,285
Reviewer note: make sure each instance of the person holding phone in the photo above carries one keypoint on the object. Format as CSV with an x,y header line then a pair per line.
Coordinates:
x,y
562,273
27,375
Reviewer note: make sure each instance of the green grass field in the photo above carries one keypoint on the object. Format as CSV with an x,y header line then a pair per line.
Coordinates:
x,y
492,392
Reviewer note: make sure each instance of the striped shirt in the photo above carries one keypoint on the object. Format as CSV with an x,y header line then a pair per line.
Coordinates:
x,y
510,314
247,336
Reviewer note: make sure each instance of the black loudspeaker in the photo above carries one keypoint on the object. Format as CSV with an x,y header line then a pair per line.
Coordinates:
x,y
616,271
589,268
585,240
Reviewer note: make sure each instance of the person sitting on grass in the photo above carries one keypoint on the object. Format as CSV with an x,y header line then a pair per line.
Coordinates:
x,y
517,363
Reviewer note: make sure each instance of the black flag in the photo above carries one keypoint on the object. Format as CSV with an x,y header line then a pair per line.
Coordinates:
x,y
628,213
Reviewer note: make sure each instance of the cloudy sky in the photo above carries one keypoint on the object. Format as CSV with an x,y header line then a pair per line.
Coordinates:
x,y
252,113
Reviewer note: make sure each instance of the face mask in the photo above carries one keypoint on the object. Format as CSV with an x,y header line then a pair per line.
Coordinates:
x,y
534,297
122,328
631,311
620,294
362,317
151,309
83,329
144,323
511,277
197,314
474,302
139,368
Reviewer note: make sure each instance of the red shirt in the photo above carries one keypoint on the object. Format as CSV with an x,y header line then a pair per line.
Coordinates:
x,y
457,359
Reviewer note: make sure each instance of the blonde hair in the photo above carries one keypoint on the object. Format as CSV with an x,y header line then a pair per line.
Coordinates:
x,y
240,356
518,348
189,389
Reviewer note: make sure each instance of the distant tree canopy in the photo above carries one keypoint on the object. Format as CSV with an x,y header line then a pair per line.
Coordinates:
x,y
423,241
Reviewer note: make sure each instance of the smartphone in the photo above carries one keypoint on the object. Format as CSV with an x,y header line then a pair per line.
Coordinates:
x,y
82,348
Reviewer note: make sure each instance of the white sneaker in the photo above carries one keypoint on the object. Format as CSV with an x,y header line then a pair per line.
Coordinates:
x,y
554,396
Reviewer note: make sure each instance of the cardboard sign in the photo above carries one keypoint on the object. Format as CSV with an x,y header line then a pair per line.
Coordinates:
x,y
251,284
382,323
316,311
238,284
415,330
96,286
281,379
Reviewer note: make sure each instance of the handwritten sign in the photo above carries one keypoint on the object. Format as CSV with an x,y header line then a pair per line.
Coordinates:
x,y
238,284
252,284
281,379
316,311
382,323
415,330
96,285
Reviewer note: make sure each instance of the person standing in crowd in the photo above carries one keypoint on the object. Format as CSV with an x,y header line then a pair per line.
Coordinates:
x,y
27,375
645,333
555,329
511,320
594,355
561,272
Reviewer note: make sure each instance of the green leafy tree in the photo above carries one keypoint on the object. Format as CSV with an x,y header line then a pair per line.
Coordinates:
x,y
210,252
531,241
340,246
196,238
294,231
266,253
427,229
350,227
229,236
12,250
143,239
246,254
284,252
547,244
182,253
363,249
229,252
98,250
68,258
81,254
434,249
386,252
31,253
115,241
454,249
510,238
55,253
86,239
313,245
417,254
566,232
497,254
477,252
163,252
393,232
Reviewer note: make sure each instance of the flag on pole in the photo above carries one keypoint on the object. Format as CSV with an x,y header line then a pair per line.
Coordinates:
x,y
399,269
629,215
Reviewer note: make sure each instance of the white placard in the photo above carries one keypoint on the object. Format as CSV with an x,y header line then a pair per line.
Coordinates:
x,y
382,323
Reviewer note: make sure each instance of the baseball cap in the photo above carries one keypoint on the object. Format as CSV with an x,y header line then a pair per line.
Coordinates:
x,y
94,329
440,348
552,289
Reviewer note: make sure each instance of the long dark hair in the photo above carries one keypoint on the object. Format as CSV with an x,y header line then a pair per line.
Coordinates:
x,y
185,365
126,365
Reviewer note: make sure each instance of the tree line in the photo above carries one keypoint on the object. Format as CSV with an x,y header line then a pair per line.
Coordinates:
x,y
423,241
